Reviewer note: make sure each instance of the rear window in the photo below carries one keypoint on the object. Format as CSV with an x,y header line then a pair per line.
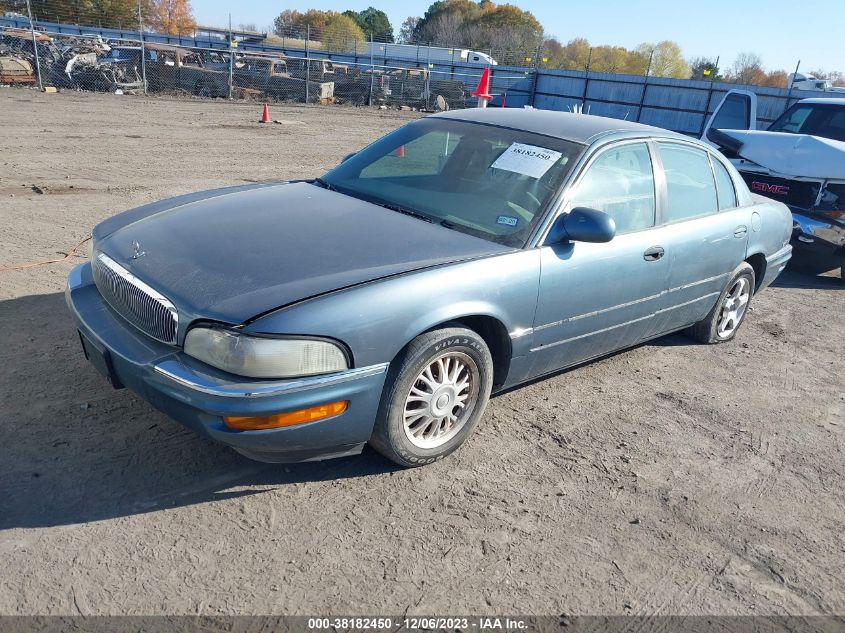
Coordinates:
x,y
724,185
689,182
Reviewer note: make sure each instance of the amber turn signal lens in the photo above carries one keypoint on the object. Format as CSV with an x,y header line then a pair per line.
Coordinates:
x,y
290,418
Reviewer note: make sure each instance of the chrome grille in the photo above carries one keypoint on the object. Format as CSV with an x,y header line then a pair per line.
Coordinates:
x,y
134,300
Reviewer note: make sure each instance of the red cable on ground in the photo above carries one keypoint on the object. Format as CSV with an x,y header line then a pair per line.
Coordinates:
x,y
70,254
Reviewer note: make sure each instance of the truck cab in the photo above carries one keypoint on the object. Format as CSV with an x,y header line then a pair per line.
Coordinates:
x,y
799,159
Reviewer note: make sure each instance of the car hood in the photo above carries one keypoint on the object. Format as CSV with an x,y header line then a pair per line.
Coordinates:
x,y
239,254
796,155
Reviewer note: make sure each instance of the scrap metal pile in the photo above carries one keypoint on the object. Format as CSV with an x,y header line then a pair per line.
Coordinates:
x,y
90,63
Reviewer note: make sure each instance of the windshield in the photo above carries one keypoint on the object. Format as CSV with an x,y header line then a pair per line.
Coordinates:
x,y
491,182
818,119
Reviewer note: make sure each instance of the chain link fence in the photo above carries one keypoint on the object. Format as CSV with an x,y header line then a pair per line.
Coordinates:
x,y
320,67
298,70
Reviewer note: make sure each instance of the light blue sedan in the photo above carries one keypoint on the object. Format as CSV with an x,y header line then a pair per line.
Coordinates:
x,y
384,302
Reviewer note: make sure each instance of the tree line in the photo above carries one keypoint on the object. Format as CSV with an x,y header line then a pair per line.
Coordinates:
x,y
510,34
515,36
164,16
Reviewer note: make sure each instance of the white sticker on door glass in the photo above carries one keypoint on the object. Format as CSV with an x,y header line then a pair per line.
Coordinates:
x,y
529,160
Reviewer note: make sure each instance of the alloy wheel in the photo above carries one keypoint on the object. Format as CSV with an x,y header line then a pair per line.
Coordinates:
x,y
441,400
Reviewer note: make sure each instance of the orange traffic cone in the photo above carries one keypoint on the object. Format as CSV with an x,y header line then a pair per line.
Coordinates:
x,y
400,151
482,91
265,116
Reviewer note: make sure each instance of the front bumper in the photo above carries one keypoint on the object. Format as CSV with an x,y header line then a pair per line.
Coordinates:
x,y
199,396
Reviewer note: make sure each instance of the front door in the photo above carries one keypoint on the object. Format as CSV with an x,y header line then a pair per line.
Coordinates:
x,y
597,298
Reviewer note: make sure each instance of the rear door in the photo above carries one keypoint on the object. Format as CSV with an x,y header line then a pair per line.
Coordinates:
x,y
706,232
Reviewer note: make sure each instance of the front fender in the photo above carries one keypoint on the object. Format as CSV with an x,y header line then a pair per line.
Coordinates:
x,y
377,320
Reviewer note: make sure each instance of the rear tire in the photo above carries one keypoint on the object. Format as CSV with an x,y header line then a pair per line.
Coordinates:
x,y
436,392
723,321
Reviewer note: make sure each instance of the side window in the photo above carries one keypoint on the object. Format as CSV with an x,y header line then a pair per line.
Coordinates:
x,y
620,182
690,189
724,185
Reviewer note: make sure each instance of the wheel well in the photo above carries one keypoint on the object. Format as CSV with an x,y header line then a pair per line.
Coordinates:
x,y
495,334
758,263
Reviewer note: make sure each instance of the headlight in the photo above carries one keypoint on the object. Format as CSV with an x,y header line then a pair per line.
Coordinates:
x,y
264,357
89,248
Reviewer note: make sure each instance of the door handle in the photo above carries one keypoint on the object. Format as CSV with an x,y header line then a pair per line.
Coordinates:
x,y
740,231
654,253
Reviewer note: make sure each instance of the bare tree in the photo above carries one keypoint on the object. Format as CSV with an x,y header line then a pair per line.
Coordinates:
x,y
444,30
747,69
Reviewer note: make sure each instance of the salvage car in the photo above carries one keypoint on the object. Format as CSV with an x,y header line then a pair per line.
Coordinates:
x,y
799,160
383,302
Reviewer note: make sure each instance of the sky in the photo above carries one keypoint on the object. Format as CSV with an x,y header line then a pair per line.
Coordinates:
x,y
781,32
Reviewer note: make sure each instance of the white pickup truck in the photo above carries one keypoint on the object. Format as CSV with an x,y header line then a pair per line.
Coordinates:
x,y
799,159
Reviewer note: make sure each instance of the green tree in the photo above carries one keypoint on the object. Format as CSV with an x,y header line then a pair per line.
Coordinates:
x,y
341,33
704,68
610,59
666,59
373,22
576,54
407,30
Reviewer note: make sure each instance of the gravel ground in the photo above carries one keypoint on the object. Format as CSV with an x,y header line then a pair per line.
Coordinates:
x,y
673,478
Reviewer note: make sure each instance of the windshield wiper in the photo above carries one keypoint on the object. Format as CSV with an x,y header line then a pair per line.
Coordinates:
x,y
403,210
324,184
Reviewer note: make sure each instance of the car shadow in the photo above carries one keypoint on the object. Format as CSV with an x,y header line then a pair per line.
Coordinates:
x,y
797,275
73,450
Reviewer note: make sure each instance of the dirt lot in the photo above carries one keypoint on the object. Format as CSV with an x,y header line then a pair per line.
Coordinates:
x,y
671,479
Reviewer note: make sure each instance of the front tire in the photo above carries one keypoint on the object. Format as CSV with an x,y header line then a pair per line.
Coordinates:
x,y
722,322
437,391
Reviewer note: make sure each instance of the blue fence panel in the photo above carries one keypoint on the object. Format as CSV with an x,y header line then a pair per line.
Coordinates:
x,y
677,120
657,95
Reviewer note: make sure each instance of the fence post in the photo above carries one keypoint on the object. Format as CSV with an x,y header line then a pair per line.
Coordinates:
x,y
709,98
34,46
372,70
307,61
231,59
532,97
789,92
645,86
428,66
143,51
586,79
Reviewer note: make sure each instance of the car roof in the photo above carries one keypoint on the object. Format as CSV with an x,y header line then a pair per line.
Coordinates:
x,y
826,100
580,128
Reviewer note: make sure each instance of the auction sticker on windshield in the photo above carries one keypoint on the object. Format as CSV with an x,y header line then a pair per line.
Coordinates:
x,y
529,160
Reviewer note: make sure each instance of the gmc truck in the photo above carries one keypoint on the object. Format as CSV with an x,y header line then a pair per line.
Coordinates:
x,y
800,160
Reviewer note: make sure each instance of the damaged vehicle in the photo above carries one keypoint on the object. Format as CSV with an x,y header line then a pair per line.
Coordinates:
x,y
799,160
14,70
382,303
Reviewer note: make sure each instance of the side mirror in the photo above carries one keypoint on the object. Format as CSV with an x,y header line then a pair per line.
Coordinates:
x,y
582,225
347,157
